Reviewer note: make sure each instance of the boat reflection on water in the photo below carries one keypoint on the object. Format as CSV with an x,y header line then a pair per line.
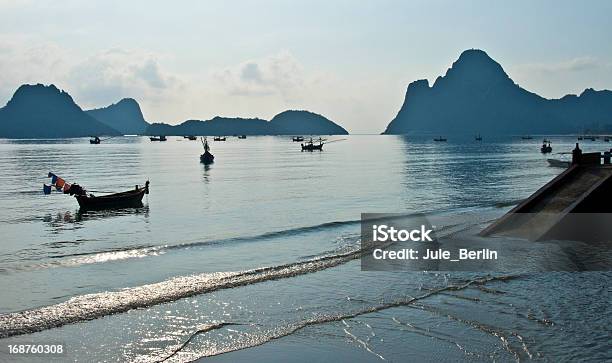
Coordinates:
x,y
206,175
75,220
84,214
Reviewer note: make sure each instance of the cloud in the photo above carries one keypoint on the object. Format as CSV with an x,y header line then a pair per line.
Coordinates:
x,y
150,73
27,60
572,65
94,81
251,72
280,74
116,73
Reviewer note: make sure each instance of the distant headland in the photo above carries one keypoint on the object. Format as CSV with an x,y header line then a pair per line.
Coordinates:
x,y
124,116
39,111
285,123
477,96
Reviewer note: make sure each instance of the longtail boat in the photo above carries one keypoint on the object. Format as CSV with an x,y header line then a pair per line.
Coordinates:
x,y
298,138
207,157
160,138
130,198
311,146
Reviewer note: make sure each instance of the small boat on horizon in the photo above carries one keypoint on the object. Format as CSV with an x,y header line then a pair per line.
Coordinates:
x,y
478,137
190,137
440,139
298,138
219,138
526,137
94,141
242,136
159,138
310,145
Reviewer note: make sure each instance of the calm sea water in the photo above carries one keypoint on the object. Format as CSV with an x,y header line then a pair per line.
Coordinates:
x,y
253,257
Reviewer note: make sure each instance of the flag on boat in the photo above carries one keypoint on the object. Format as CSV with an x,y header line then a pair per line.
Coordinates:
x,y
60,184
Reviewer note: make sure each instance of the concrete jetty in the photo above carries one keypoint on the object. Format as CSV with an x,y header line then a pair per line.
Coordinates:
x,y
573,206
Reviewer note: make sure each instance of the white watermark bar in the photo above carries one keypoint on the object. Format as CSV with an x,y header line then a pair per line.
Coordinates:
x,y
523,243
32,349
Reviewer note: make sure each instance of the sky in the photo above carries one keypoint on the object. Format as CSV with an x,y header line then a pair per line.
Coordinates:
x,y
350,61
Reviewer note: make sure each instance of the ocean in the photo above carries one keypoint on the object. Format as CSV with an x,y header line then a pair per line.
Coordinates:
x,y
256,257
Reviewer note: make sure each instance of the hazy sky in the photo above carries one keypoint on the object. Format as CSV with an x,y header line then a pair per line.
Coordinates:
x,y
348,60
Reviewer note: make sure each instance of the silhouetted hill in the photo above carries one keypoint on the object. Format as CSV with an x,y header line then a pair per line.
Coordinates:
x,y
216,126
305,123
477,96
285,123
38,111
124,116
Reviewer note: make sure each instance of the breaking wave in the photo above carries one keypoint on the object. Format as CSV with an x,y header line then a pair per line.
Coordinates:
x,y
93,306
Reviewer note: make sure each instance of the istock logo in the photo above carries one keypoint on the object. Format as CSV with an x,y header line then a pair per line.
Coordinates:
x,y
384,233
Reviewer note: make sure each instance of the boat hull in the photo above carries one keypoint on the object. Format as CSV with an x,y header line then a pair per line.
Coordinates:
x,y
132,198
312,147
207,158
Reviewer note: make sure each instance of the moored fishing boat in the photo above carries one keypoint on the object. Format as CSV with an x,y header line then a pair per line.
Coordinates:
x,y
159,138
130,198
442,139
545,149
89,201
297,138
207,157
310,145
219,138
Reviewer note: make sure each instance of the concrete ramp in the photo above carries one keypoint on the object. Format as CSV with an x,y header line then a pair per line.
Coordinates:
x,y
582,188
